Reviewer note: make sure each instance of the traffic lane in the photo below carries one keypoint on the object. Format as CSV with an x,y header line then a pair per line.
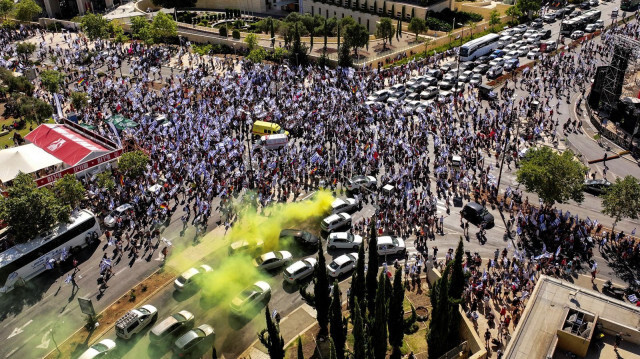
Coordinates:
x,y
23,339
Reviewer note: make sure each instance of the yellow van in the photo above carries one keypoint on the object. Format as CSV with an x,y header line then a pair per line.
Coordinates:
x,y
263,128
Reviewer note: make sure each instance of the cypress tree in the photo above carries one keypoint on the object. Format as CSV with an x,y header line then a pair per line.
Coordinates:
x,y
273,33
271,338
358,289
372,269
332,350
338,328
396,312
321,292
300,353
359,335
325,33
338,35
457,274
379,326
438,328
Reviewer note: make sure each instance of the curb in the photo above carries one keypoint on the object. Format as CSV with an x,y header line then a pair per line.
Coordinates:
x,y
104,310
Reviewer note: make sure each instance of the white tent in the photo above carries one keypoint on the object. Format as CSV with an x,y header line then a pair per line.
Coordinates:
x,y
26,159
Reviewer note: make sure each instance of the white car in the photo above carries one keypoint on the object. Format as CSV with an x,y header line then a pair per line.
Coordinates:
x,y
272,260
256,293
344,240
577,34
246,247
110,220
599,24
390,245
336,221
99,350
522,51
345,205
342,264
590,28
356,182
514,54
533,54
499,62
187,279
299,270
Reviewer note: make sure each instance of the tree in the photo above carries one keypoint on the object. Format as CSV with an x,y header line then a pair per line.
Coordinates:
x,y
270,337
223,30
298,50
6,6
257,55
272,32
396,314
456,287
359,335
163,27
494,18
338,328
437,332
554,177
372,269
94,26
33,109
133,163
622,199
332,349
26,10
51,80
175,5
140,27
528,7
344,56
358,289
105,180
355,36
385,31
29,210
417,25
69,190
321,292
25,49
235,34
300,352
79,100
252,41
117,32
514,13
379,325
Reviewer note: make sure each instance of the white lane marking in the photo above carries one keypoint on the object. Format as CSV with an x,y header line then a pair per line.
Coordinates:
x,y
17,331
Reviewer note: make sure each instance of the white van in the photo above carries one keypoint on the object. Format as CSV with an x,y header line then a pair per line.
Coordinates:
x,y
273,142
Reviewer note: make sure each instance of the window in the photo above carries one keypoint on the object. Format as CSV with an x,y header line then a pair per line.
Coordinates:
x,y
133,326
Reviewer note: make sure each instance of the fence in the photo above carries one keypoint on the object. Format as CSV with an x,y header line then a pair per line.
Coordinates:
x,y
455,352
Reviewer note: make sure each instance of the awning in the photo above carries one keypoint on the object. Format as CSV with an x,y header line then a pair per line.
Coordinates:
x,y
64,144
121,122
26,159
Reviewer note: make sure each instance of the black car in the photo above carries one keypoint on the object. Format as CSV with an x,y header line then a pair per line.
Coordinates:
x,y
546,34
302,237
476,214
481,69
483,60
585,5
464,66
596,187
446,68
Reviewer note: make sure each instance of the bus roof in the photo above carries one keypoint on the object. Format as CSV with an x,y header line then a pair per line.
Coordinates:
x,y
481,39
21,249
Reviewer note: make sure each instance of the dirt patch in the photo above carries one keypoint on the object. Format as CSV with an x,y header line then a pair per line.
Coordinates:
x,y
79,341
311,347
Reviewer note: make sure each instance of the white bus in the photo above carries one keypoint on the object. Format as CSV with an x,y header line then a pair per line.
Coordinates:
x,y
24,261
479,47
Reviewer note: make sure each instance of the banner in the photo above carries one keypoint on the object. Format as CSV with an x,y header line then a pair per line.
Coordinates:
x,y
78,168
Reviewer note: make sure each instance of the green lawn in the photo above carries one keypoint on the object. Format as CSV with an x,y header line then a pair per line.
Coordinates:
x,y
7,140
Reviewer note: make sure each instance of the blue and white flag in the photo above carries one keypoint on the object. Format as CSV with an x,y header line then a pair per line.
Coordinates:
x,y
558,250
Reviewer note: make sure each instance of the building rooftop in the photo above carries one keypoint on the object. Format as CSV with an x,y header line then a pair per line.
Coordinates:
x,y
537,333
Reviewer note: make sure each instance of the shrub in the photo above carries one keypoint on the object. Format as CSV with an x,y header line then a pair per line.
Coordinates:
x,y
236,34
223,31
54,27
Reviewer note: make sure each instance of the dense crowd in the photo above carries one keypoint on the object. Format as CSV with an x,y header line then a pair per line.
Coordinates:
x,y
201,158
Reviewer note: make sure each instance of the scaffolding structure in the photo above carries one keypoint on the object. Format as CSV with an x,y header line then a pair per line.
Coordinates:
x,y
625,52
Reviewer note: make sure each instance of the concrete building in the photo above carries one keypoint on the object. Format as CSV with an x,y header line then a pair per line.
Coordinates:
x,y
70,8
561,317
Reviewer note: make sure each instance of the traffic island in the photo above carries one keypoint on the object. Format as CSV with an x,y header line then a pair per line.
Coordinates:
x,y
77,343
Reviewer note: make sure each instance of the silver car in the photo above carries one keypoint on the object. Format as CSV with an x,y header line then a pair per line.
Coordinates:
x,y
187,279
345,205
299,270
344,240
272,260
356,182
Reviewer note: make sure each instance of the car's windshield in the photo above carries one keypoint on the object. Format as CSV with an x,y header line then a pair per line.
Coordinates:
x,y
100,347
333,265
181,280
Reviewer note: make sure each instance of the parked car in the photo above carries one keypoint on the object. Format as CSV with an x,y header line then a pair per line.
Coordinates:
x,y
585,5
249,297
187,280
390,245
415,80
594,3
417,87
199,337
496,54
342,264
523,51
99,350
303,237
111,219
477,214
545,34
466,76
533,54
430,81
429,93
272,260
481,69
590,28
244,246
345,205
577,34
512,55
537,24
335,221
495,72
299,270
483,60
599,24
511,64
380,95
549,18
445,85
596,187
497,62
414,96
356,182
476,79
344,240
171,327
435,73
135,320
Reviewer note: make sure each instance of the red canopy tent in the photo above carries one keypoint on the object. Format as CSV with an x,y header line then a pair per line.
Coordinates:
x,y
63,143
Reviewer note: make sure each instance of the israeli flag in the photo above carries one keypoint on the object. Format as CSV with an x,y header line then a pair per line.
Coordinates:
x,y
633,233
558,250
